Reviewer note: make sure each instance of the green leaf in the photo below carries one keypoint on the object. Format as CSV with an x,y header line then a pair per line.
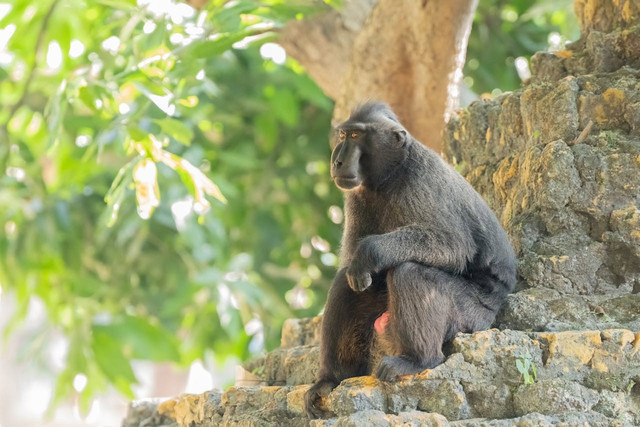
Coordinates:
x,y
55,111
117,191
224,42
228,19
89,95
148,86
145,340
112,362
62,34
266,131
118,4
63,389
309,90
176,130
286,107
533,370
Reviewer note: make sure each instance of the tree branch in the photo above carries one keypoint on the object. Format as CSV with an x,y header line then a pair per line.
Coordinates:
x,y
323,43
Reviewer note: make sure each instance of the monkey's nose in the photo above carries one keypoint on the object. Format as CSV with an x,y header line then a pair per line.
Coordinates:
x,y
337,163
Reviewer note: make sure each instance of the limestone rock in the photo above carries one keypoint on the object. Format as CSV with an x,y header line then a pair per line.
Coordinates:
x,y
567,419
295,365
490,400
540,309
297,332
380,419
357,394
604,15
446,397
564,180
596,52
237,400
553,397
596,373
144,412
495,352
200,409
295,400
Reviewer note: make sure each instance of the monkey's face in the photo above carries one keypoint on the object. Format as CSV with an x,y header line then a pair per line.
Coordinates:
x,y
364,154
345,158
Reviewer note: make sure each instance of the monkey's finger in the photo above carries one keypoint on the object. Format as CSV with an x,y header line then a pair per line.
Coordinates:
x,y
353,284
363,281
314,412
366,280
310,405
384,373
317,413
312,402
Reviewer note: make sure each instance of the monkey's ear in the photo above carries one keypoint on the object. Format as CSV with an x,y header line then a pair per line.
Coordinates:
x,y
401,137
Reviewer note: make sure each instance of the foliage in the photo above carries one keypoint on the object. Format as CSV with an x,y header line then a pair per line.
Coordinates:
x,y
526,367
141,103
505,30
125,127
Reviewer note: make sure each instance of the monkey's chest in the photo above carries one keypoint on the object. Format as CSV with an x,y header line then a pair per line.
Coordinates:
x,y
361,224
376,220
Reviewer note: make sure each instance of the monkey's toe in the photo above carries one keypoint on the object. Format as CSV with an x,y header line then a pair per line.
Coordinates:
x,y
315,398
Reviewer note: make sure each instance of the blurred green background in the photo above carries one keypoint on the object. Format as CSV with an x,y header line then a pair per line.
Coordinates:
x,y
124,127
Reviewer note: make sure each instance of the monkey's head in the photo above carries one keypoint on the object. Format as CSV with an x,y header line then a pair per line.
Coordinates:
x,y
368,147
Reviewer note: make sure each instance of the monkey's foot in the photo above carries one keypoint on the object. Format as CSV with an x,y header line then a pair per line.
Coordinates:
x,y
392,367
315,399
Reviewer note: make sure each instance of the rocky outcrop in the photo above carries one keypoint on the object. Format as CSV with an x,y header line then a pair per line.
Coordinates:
x,y
559,163
489,378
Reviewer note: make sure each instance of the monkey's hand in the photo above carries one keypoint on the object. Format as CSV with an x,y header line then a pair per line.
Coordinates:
x,y
358,281
363,265
315,397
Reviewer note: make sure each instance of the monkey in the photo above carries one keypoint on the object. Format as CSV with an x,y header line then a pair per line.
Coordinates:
x,y
422,256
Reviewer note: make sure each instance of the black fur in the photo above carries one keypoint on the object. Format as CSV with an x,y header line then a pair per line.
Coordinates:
x,y
419,243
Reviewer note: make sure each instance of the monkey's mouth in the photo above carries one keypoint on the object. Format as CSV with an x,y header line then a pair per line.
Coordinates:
x,y
347,182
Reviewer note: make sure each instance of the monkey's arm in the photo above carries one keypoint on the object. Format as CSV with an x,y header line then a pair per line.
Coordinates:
x,y
447,249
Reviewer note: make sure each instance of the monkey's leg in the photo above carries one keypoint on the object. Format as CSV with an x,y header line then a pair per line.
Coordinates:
x,y
347,331
427,307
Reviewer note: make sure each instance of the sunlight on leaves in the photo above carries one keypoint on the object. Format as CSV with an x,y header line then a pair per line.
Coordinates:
x,y
197,182
145,176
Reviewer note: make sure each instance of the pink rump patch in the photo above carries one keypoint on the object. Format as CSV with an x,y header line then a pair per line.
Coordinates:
x,y
381,323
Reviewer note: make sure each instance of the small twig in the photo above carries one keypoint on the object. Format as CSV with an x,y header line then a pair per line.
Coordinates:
x,y
583,135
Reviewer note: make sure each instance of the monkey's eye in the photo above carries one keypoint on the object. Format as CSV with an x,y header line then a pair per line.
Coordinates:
x,y
342,135
354,134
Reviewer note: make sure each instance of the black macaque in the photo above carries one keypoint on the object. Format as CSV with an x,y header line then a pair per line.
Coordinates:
x,y
422,258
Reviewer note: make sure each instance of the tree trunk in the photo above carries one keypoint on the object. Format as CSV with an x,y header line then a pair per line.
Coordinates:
x,y
408,53
323,43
